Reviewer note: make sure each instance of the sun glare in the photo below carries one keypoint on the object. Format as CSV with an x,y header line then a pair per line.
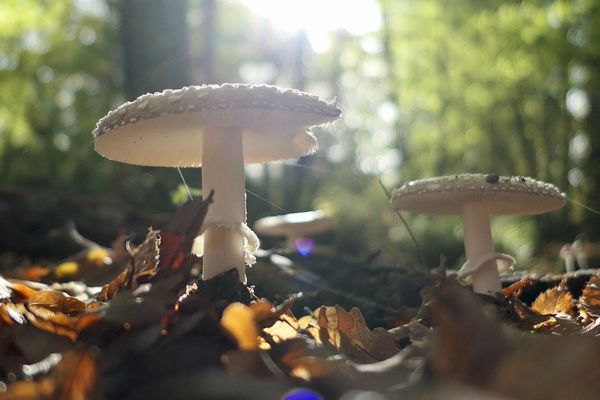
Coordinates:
x,y
319,17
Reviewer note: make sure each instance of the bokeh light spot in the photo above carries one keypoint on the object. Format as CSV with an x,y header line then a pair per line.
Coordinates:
x,y
302,394
305,246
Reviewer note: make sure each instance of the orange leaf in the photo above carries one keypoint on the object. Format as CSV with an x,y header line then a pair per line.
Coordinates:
x,y
46,298
22,289
553,301
589,301
112,288
35,273
516,288
348,332
75,375
238,321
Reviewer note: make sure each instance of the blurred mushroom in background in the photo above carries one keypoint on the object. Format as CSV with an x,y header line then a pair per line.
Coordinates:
x,y
296,228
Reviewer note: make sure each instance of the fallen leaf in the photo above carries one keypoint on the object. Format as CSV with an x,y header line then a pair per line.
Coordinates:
x,y
75,375
531,320
146,258
516,288
475,348
111,289
238,320
589,301
73,378
556,300
36,273
46,298
349,328
22,289
179,235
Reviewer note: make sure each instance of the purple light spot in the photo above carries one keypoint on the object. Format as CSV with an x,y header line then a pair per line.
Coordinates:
x,y
305,246
301,394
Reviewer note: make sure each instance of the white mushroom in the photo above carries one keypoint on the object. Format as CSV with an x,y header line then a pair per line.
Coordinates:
x,y
220,128
567,253
579,247
295,226
477,197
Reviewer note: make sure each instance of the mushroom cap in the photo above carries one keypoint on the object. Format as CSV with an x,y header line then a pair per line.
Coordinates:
x,y
504,195
302,223
166,128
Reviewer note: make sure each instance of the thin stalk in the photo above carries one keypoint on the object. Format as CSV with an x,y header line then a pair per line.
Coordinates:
x,y
412,237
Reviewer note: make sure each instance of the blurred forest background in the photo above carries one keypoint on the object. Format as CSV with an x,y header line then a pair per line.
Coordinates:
x,y
426,87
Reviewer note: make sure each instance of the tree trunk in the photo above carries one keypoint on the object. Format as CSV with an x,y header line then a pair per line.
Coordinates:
x,y
155,45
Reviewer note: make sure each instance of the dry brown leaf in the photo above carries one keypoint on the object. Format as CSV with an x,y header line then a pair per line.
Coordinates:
x,y
349,328
516,288
75,375
533,321
470,346
30,390
265,314
22,289
146,258
281,331
36,273
112,288
553,301
589,301
71,305
71,379
48,317
46,298
238,320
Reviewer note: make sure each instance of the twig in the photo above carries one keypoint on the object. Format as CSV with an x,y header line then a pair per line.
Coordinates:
x,y
412,237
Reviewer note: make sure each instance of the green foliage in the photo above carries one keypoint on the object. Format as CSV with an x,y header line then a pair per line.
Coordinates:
x,y
444,87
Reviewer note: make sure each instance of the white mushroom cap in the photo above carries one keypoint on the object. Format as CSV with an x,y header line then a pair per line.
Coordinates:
x,y
304,223
166,128
503,195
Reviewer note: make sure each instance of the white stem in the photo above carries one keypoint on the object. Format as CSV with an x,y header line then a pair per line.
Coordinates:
x,y
291,241
570,263
223,172
478,240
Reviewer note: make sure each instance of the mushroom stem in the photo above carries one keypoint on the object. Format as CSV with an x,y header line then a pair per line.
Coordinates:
x,y
291,242
223,172
478,241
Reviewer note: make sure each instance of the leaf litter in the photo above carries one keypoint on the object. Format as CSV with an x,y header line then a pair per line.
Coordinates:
x,y
154,330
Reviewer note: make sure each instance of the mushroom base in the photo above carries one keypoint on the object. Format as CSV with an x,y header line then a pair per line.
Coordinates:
x,y
227,249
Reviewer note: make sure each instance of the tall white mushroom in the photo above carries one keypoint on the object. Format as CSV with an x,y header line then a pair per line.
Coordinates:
x,y
220,128
476,197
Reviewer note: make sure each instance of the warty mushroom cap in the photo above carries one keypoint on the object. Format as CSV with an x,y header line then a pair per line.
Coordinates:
x,y
166,128
503,195
302,223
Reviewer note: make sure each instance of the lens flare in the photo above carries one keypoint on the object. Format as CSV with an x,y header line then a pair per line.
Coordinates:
x,y
305,246
302,394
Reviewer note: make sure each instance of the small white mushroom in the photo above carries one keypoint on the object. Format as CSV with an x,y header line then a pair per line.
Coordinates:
x,y
579,247
567,253
220,128
476,197
295,226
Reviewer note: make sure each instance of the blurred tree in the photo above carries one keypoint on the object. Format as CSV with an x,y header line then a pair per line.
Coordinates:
x,y
155,44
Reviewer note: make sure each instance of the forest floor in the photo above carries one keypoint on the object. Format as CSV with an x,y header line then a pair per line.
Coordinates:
x,y
136,322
